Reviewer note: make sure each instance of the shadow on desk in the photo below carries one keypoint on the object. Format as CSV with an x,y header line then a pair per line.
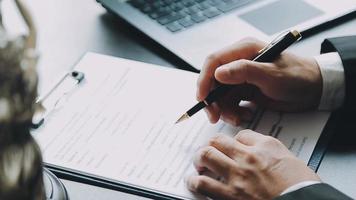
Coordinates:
x,y
344,138
118,26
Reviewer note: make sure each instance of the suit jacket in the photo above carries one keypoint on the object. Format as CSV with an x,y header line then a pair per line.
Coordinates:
x,y
346,47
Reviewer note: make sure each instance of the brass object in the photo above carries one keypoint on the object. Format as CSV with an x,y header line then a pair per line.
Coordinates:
x,y
20,157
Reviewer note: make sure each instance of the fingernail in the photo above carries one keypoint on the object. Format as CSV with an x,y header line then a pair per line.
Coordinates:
x,y
197,95
221,69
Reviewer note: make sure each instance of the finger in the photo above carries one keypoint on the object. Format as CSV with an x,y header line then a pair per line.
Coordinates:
x,y
209,187
213,112
227,145
249,137
215,161
229,107
244,71
235,114
236,118
232,118
246,49
230,110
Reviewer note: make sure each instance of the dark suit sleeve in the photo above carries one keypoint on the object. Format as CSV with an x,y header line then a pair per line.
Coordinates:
x,y
320,191
346,47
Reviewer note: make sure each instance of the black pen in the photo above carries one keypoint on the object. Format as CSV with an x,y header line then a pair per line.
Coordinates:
x,y
267,54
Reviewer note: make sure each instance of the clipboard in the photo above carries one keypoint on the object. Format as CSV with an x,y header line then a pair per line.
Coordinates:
x,y
39,119
89,179
77,77
109,184
323,142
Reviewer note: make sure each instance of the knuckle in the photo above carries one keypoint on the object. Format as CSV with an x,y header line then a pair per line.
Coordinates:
x,y
238,189
216,140
244,67
236,153
242,133
206,153
269,140
231,69
243,64
251,158
212,58
245,131
199,184
250,172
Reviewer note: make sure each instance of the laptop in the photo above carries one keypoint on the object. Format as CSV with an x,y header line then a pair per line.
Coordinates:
x,y
193,29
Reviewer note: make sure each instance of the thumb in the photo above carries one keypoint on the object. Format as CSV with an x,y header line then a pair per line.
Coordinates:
x,y
243,71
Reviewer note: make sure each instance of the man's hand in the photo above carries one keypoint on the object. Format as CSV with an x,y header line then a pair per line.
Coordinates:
x,y
290,83
251,167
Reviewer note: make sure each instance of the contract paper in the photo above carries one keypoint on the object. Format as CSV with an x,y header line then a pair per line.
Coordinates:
x,y
119,124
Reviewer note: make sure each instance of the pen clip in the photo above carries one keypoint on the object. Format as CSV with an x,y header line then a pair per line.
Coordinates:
x,y
274,41
280,37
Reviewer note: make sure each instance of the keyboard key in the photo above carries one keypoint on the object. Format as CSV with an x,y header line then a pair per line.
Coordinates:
x,y
137,3
198,17
177,15
188,3
147,9
214,2
174,27
157,4
192,10
186,22
170,18
160,13
177,6
212,12
168,2
204,5
232,4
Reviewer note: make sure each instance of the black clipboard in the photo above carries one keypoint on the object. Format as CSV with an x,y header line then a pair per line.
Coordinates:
x,y
91,179
323,141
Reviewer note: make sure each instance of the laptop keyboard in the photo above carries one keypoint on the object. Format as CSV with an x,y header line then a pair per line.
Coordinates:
x,y
178,15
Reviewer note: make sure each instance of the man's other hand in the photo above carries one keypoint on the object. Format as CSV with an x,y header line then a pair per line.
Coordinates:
x,y
251,166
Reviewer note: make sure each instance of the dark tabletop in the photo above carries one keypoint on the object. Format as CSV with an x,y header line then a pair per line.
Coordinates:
x,y
69,28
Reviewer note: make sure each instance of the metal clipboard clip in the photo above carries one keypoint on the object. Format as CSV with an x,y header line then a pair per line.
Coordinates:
x,y
55,97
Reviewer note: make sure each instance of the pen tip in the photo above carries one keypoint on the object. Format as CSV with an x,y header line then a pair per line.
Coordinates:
x,y
185,116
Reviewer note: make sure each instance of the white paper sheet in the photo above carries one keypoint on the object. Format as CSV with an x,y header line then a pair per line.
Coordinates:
x,y
119,124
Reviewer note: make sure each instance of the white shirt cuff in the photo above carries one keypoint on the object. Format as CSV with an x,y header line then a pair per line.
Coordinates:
x,y
299,186
332,73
